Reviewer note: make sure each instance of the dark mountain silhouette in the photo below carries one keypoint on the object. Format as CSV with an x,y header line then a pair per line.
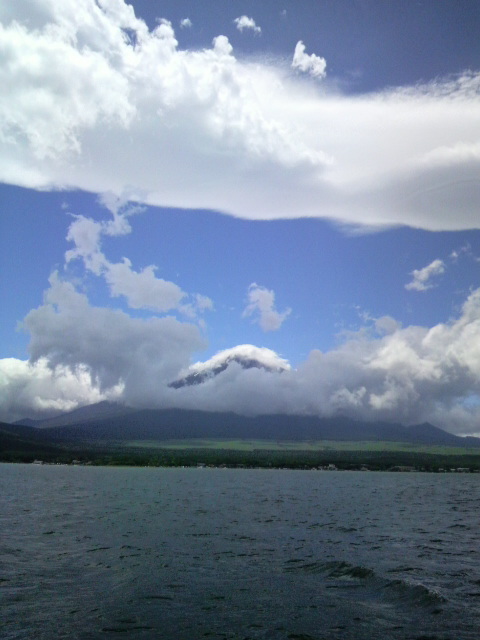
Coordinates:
x,y
29,422
427,433
24,439
112,422
88,413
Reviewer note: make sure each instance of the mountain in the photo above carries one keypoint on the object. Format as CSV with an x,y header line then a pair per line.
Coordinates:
x,y
427,433
28,422
25,440
88,413
166,424
247,356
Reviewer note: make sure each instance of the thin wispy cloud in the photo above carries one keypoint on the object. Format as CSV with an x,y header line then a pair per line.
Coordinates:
x,y
465,250
426,278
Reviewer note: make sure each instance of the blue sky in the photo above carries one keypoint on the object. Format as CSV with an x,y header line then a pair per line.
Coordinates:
x,y
180,178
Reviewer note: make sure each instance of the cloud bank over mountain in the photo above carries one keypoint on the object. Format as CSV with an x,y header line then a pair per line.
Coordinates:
x,y
82,354
97,101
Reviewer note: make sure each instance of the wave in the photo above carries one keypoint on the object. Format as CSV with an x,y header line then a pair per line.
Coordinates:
x,y
407,591
416,594
334,569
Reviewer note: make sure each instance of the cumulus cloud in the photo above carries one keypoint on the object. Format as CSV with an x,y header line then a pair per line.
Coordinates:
x,y
261,304
81,353
410,375
139,354
186,23
141,289
386,325
311,64
95,100
244,22
422,278
222,47
36,389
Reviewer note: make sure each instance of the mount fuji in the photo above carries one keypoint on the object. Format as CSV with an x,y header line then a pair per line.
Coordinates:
x,y
246,356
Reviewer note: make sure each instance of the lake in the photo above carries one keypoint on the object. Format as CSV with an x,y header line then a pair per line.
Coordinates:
x,y
187,554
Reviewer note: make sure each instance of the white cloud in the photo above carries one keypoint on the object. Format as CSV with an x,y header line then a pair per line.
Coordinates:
x,y
142,289
203,303
386,325
222,47
198,304
264,356
422,278
311,64
186,23
30,389
85,233
261,304
244,22
410,375
114,348
96,101
81,354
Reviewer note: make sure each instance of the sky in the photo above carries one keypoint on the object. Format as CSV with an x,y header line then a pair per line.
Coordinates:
x,y
298,181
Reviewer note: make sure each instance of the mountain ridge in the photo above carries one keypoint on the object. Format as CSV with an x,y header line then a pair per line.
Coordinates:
x,y
114,422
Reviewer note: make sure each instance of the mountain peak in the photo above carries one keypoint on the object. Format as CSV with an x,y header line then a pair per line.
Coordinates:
x,y
246,355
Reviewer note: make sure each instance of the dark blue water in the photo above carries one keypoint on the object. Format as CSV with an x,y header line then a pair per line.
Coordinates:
x,y
189,554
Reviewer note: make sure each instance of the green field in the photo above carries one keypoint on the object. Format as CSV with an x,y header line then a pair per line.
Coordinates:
x,y
312,446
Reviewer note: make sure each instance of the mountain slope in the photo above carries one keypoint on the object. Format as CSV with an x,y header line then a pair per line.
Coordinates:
x,y
167,424
25,440
88,413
